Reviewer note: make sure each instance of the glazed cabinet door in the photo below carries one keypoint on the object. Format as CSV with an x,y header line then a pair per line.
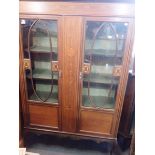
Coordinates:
x,y
105,53
42,70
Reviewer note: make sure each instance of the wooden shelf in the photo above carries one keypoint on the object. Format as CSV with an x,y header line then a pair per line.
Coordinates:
x,y
97,78
42,33
42,50
99,98
98,92
104,53
52,99
104,38
43,74
104,47
101,70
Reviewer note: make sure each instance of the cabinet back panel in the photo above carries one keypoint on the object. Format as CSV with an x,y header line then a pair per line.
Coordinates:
x,y
96,122
43,116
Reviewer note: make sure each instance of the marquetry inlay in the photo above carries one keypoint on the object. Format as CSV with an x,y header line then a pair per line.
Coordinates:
x,y
26,63
117,70
86,68
55,66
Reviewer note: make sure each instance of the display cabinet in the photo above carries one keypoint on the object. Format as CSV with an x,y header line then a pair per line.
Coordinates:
x,y
74,60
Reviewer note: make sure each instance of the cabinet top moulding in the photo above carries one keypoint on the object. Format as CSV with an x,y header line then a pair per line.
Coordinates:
x,y
76,8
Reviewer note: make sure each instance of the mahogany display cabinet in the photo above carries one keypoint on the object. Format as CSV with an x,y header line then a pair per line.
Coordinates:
x,y
74,61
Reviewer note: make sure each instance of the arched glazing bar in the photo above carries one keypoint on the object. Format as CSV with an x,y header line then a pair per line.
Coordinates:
x,y
51,58
102,27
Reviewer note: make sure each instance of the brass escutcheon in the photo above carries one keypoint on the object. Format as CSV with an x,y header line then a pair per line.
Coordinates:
x,y
86,68
26,63
117,70
55,66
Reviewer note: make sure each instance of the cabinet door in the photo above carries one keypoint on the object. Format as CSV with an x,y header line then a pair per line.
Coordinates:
x,y
41,67
104,48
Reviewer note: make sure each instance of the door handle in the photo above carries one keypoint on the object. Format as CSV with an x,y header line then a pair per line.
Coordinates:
x,y
81,75
59,74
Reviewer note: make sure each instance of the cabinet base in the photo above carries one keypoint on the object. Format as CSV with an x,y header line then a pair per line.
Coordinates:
x,y
80,135
106,145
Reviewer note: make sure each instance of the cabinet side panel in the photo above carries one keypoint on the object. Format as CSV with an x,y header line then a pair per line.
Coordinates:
x,y
128,107
72,29
22,84
123,78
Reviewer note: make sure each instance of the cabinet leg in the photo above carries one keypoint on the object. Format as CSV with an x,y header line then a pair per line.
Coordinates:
x,y
115,148
112,148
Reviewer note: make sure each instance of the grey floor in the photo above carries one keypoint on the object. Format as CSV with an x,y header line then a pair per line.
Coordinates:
x,y
53,145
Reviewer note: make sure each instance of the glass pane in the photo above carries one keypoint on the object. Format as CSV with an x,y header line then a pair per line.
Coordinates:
x,y
40,48
104,47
